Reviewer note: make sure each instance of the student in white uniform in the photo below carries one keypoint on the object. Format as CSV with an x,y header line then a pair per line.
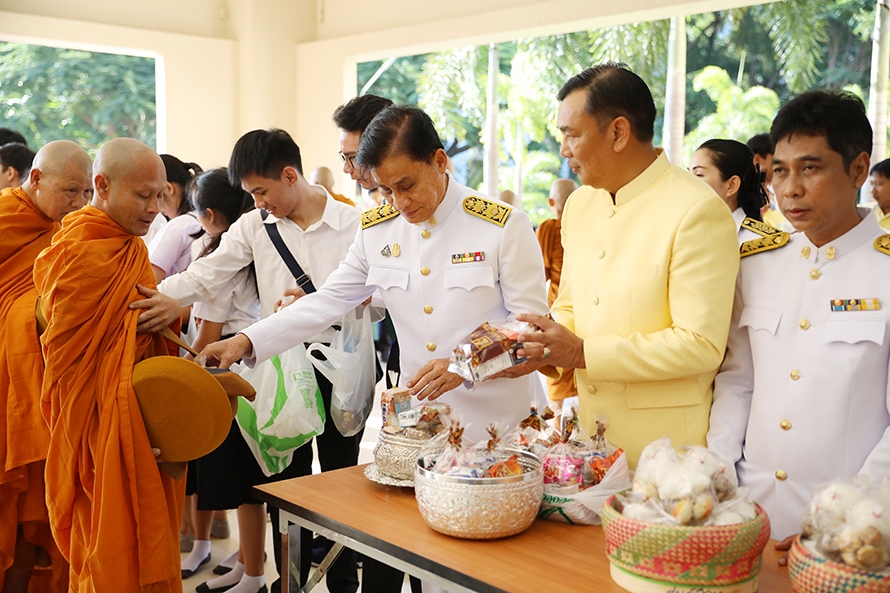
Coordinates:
x,y
802,396
318,231
728,167
444,258
170,250
214,478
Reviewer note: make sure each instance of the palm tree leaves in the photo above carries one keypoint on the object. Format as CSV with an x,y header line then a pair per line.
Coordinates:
x,y
798,30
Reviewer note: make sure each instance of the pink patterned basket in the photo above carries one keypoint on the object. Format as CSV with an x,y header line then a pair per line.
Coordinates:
x,y
813,574
714,555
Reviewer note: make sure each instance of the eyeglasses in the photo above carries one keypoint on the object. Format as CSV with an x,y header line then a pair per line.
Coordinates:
x,y
348,159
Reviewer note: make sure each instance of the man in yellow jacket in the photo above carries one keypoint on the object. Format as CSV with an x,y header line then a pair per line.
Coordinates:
x,y
649,270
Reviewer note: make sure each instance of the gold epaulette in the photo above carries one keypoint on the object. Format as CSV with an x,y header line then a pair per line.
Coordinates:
x,y
490,211
882,244
761,228
378,214
764,244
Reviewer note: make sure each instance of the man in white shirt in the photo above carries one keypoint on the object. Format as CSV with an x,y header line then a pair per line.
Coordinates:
x,y
802,396
318,232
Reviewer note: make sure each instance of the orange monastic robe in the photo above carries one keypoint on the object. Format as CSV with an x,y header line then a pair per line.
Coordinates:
x,y
114,513
550,238
24,436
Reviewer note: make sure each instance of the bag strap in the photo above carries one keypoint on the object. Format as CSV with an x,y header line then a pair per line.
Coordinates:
x,y
303,280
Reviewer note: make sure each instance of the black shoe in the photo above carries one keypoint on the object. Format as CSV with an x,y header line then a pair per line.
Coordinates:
x,y
187,573
203,588
320,548
220,569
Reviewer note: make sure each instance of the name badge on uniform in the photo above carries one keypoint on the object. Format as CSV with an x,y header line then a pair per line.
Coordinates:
x,y
462,258
855,305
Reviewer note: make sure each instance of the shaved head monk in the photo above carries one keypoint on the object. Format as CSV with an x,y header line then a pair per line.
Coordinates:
x,y
29,217
114,511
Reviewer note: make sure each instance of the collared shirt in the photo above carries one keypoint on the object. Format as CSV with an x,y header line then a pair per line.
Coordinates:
x,y
883,219
647,283
318,249
171,248
236,306
802,396
434,298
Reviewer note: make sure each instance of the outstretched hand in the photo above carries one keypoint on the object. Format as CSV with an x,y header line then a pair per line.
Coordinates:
x,y
160,310
553,344
433,380
225,353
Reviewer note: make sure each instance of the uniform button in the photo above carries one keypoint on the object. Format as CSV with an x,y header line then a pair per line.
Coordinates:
x,y
795,374
804,324
601,254
596,300
781,476
611,213
425,271
591,389
785,424
427,309
814,274
431,347
425,234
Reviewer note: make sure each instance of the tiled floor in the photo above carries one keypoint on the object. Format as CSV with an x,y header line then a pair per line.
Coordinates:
x,y
222,548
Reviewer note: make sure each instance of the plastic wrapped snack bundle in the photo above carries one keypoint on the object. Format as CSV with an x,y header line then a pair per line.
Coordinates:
x,y
488,350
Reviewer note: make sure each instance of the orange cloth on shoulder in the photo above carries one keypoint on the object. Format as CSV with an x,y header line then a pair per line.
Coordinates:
x,y
24,436
114,513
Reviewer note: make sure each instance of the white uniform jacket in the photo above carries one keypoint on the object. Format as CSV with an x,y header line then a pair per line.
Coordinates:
x,y
435,298
802,396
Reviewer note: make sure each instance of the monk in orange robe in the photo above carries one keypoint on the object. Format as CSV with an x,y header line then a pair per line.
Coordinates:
x,y
114,509
57,184
550,238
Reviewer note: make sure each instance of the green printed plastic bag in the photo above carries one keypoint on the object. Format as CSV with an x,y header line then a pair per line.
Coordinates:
x,y
287,412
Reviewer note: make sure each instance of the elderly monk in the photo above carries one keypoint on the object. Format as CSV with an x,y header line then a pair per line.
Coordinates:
x,y
114,512
29,217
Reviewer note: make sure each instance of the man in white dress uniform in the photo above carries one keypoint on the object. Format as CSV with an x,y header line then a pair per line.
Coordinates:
x,y
802,396
444,258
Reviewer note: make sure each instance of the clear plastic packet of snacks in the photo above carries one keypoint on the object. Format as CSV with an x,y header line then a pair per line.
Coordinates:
x,y
738,508
394,402
432,418
848,521
533,434
458,458
432,449
680,483
598,454
489,349
721,472
490,451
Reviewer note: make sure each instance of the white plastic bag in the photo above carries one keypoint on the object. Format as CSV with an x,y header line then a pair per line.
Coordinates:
x,y
584,508
350,369
287,412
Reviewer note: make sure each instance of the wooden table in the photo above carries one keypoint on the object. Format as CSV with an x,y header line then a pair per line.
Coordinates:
x,y
383,522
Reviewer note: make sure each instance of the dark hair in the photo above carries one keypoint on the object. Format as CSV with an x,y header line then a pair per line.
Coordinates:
x,y
760,145
734,158
398,130
265,153
614,91
882,168
837,115
7,136
181,174
18,156
213,190
357,113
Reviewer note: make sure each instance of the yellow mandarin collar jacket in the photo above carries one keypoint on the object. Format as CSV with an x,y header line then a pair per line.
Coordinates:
x,y
648,284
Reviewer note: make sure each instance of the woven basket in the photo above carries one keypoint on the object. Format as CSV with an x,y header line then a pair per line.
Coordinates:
x,y
710,556
811,573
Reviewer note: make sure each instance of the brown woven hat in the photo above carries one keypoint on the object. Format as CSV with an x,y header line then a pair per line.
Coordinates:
x,y
186,411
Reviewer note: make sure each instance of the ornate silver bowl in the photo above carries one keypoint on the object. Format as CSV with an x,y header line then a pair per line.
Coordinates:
x,y
395,455
480,508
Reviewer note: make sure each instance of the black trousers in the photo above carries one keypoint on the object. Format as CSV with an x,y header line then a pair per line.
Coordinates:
x,y
334,452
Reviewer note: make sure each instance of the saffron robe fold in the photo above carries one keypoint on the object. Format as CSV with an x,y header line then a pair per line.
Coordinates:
x,y
24,436
114,513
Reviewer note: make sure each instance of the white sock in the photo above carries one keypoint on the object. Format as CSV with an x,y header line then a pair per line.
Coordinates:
x,y
230,578
231,560
249,584
200,551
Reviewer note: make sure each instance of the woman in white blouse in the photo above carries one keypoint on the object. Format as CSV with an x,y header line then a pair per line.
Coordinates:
x,y
170,250
728,167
